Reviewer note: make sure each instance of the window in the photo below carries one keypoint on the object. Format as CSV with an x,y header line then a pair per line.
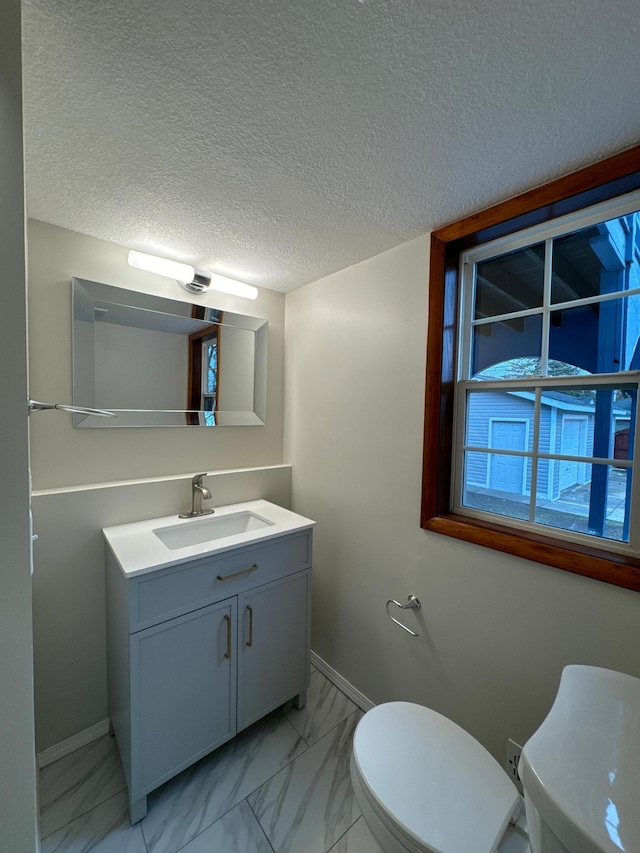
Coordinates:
x,y
532,375
204,356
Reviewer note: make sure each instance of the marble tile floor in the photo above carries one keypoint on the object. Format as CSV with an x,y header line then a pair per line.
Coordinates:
x,y
281,786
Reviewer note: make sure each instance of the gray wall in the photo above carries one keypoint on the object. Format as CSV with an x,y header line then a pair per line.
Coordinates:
x,y
140,368
17,758
495,630
88,479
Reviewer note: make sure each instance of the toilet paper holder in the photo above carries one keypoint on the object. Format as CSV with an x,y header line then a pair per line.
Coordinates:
x,y
413,603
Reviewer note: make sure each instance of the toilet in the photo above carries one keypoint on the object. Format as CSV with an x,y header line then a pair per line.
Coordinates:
x,y
424,785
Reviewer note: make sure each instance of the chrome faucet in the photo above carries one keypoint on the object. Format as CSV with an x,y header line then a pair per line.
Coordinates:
x,y
198,494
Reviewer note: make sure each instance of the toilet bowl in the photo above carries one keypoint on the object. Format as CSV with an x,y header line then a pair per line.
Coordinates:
x,y
424,785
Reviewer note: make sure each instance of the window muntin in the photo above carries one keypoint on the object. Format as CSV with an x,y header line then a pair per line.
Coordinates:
x,y
587,322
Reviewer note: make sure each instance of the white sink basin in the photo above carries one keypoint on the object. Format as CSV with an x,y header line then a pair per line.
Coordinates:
x,y
158,543
197,531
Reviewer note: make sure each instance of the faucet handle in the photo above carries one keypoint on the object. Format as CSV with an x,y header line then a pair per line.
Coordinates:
x,y
197,480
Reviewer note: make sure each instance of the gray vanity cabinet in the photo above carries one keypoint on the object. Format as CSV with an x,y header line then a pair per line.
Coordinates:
x,y
185,691
273,622
199,651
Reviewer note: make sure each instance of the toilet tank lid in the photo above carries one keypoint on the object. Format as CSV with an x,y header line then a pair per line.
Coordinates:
x,y
432,780
581,768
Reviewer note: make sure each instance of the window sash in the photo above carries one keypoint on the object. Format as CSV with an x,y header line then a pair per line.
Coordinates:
x,y
461,447
560,227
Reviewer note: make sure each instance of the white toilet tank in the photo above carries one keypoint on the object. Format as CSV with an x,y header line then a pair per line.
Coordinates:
x,y
581,769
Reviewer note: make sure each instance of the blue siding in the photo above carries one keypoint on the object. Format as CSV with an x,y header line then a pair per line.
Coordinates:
x,y
483,407
487,407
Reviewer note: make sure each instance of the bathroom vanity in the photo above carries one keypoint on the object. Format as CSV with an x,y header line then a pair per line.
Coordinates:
x,y
208,630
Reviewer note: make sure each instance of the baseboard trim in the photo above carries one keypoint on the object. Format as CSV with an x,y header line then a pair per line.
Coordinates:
x,y
77,741
66,747
341,683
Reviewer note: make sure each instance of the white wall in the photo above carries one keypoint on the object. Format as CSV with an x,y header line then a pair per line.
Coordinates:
x,y
88,479
495,630
64,456
18,828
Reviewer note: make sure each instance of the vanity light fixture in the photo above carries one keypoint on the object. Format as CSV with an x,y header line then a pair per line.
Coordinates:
x,y
190,279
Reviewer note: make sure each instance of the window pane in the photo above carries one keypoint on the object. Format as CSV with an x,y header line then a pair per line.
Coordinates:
x,y
508,283
212,367
586,422
597,504
497,483
508,348
592,261
500,419
597,338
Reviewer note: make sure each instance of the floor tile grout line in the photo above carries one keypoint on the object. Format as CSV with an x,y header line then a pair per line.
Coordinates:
x,y
338,840
297,730
77,817
328,730
144,837
280,769
339,723
81,814
295,758
206,828
86,811
144,840
284,716
355,711
299,733
260,825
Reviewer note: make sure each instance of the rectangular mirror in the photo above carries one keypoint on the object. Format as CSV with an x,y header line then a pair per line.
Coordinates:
x,y
161,362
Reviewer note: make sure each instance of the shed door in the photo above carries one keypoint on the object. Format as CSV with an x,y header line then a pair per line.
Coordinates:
x,y
507,472
572,443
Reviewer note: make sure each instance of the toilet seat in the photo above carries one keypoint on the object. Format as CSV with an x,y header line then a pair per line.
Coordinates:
x,y
429,782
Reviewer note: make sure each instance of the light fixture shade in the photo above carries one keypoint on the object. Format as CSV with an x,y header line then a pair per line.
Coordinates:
x,y
161,266
189,278
235,288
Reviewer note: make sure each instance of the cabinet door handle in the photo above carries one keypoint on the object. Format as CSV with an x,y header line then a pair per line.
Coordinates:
x,y
227,654
250,640
237,574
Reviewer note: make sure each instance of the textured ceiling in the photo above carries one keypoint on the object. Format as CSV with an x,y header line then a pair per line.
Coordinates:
x,y
277,141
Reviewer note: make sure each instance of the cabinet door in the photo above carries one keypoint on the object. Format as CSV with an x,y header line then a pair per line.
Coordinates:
x,y
183,692
273,643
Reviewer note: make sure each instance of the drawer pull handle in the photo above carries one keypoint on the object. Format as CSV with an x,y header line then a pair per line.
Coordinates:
x,y
250,640
237,574
227,654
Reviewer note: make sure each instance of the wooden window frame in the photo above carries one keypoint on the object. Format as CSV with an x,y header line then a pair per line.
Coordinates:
x,y
197,368
597,183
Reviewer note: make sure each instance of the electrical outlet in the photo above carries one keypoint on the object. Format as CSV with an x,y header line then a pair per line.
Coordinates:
x,y
514,751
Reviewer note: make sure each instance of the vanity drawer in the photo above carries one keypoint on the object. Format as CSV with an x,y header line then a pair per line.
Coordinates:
x,y
168,593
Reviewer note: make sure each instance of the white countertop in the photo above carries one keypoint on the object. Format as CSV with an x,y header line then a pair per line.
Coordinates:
x,y
138,550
